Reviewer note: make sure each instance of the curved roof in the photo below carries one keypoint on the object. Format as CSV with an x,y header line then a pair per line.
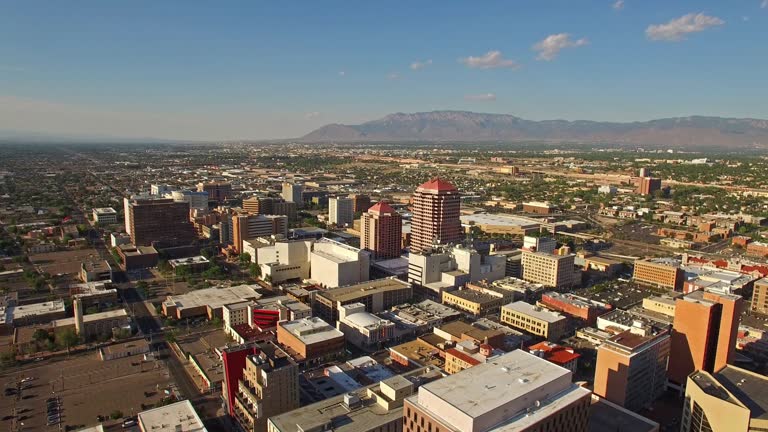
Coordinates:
x,y
438,184
381,207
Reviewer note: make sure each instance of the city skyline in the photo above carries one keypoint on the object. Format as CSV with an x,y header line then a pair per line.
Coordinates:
x,y
199,72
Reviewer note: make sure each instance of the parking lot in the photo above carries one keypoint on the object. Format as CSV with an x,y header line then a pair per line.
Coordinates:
x,y
82,387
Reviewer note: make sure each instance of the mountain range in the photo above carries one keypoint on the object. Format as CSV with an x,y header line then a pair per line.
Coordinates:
x,y
465,126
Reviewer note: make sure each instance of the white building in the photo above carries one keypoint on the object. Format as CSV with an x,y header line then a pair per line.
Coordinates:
x,y
362,329
341,211
293,192
284,260
105,215
556,271
453,267
160,189
607,189
176,417
539,244
335,264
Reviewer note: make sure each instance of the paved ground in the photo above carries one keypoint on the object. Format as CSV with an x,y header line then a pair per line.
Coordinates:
x,y
87,387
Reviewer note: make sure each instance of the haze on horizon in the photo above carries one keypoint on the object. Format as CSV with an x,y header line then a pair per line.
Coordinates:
x,y
178,70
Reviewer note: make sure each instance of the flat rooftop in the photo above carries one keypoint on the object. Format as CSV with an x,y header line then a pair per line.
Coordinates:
x,y
534,311
749,388
351,292
188,261
606,416
213,297
118,313
104,211
507,385
311,330
166,418
49,307
499,219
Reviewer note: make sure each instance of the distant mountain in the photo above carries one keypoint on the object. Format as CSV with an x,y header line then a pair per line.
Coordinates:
x,y
694,132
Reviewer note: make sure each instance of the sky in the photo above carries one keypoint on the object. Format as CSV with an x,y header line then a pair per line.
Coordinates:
x,y
203,70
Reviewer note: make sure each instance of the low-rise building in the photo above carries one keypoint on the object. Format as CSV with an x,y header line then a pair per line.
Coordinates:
x,y
574,306
207,302
377,296
476,302
467,354
555,271
535,320
176,417
562,356
105,216
310,340
137,257
99,270
659,273
364,329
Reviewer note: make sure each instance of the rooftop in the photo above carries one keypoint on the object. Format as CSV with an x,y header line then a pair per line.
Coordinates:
x,y
352,292
499,219
167,418
117,313
438,184
104,211
213,297
188,261
749,388
28,310
311,330
534,311
606,416
381,207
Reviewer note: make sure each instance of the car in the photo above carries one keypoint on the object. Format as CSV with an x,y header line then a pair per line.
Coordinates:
x,y
27,379
129,422
39,359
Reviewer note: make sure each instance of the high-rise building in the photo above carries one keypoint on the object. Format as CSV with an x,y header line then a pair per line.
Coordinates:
x,y
649,185
632,366
759,302
248,226
516,391
659,273
159,189
539,244
360,202
293,192
729,400
271,206
436,207
217,191
334,264
161,221
645,172
340,211
556,271
197,200
381,231
704,333
261,381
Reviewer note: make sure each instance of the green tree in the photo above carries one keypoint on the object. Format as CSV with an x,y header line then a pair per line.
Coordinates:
x,y
170,336
143,289
68,338
244,258
255,270
40,336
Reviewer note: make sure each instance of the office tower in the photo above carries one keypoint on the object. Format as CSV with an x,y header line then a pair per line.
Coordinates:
x,y
645,172
658,273
197,200
759,302
340,211
436,206
556,271
360,202
377,296
160,221
159,189
632,366
293,192
539,244
729,400
516,391
261,381
704,333
649,185
248,226
271,206
381,231
217,191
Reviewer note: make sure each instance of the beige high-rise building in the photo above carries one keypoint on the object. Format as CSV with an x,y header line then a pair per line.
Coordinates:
x,y
381,231
759,302
269,386
436,207
631,367
556,271
730,400
341,211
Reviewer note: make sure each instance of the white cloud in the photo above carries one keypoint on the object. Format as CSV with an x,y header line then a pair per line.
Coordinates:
x,y
393,76
419,65
550,46
678,28
618,5
746,18
313,114
481,97
342,73
489,60
764,4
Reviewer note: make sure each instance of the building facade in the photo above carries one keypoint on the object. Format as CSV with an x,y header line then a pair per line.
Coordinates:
x,y
161,221
341,211
556,271
537,321
436,207
381,231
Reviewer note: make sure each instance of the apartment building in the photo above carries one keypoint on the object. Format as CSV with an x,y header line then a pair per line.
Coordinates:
x,y
535,320
556,271
659,273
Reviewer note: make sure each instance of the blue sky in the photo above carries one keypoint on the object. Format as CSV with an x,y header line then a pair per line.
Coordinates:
x,y
256,69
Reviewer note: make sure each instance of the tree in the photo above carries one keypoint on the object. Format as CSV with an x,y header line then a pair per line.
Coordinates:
x,y
40,336
170,336
116,414
245,258
143,289
255,270
69,338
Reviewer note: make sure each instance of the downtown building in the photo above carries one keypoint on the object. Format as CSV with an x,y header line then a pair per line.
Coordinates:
x,y
381,231
293,192
436,206
249,226
341,211
217,191
161,221
517,391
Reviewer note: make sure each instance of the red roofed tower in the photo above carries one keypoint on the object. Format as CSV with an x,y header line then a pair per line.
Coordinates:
x,y
436,206
381,231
